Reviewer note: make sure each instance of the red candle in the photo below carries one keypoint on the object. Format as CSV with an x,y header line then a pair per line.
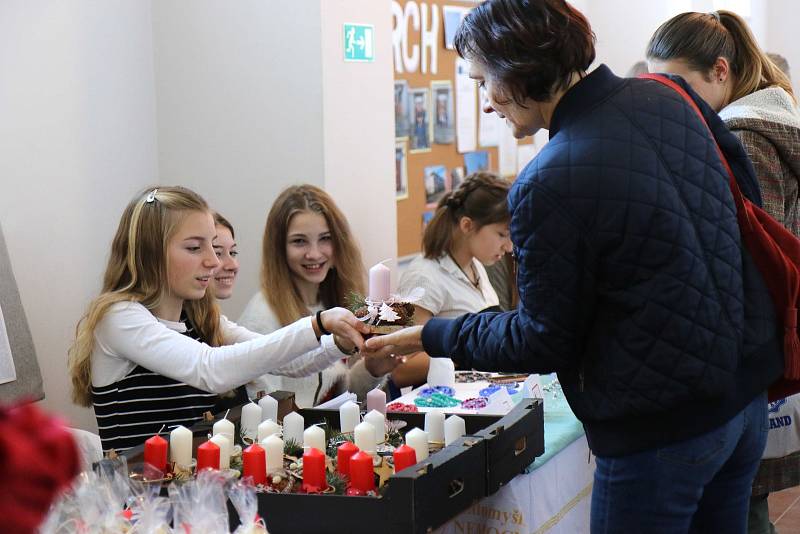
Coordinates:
x,y
404,456
343,454
208,456
314,471
255,463
362,475
155,452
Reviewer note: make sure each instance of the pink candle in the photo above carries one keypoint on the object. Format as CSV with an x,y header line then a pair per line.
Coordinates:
x,y
155,452
314,471
379,282
376,400
255,464
343,454
208,456
404,456
362,474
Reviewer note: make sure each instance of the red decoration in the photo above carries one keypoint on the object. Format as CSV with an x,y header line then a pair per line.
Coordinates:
x,y
255,463
343,454
362,475
314,471
400,407
404,456
155,452
208,456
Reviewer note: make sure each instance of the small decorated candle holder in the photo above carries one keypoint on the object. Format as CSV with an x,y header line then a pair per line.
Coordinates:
x,y
384,311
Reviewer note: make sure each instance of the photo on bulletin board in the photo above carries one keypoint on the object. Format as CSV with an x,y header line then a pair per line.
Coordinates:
x,y
426,218
476,161
419,134
436,184
401,108
400,170
452,15
456,177
444,132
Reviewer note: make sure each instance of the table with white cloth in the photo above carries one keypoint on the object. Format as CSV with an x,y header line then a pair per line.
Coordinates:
x,y
554,493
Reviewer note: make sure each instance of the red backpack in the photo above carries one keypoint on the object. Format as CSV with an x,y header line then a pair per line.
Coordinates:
x,y
776,253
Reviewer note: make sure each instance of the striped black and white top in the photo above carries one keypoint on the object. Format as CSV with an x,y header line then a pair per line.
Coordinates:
x,y
148,372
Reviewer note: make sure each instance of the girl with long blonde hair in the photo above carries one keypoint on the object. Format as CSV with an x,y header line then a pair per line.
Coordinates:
x,y
154,350
310,261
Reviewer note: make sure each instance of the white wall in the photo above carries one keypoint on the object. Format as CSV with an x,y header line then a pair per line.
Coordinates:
x,y
239,94
358,103
78,137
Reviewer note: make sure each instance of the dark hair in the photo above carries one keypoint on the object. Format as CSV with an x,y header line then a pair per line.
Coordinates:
x,y
482,197
219,220
701,38
532,47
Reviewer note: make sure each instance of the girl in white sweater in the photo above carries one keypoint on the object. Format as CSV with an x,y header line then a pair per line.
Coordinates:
x,y
154,350
310,261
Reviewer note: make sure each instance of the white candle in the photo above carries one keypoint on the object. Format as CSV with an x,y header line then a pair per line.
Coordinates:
x,y
378,421
314,436
180,446
269,408
441,372
267,428
349,416
434,426
365,437
225,449
379,282
293,425
376,400
223,426
251,417
418,440
273,446
454,428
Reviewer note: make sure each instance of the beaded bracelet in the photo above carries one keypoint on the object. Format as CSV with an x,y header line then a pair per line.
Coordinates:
x,y
469,377
488,391
444,390
437,400
401,407
475,403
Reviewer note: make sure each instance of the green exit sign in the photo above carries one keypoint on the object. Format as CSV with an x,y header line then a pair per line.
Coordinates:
x,y
359,42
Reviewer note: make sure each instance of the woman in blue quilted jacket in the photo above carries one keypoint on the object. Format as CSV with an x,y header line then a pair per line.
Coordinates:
x,y
633,283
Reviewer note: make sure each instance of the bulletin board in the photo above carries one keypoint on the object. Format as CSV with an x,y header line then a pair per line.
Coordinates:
x,y
414,201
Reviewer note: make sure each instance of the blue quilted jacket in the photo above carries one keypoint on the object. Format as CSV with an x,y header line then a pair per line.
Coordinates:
x,y
633,284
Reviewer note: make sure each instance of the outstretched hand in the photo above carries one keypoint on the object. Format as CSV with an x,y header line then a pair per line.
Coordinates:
x,y
345,326
405,341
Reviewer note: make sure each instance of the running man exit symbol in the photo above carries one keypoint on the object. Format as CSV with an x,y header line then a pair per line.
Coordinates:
x,y
359,44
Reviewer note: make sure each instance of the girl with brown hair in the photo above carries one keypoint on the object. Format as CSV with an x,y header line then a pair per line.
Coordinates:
x,y
468,230
154,350
719,57
310,261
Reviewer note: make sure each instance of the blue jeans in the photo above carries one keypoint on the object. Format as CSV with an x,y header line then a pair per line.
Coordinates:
x,y
698,485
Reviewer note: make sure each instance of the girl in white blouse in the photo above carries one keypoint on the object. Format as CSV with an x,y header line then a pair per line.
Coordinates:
x,y
468,230
153,348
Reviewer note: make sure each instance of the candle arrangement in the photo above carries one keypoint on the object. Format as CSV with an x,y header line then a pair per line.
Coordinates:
x,y
385,311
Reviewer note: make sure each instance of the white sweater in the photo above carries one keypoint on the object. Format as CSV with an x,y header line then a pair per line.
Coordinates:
x,y
339,376
129,335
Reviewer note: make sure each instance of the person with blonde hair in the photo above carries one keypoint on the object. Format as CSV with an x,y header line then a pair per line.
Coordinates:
x,y
153,349
717,54
310,261
468,231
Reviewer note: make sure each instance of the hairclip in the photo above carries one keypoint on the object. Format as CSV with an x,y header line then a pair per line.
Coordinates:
x,y
715,14
151,196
